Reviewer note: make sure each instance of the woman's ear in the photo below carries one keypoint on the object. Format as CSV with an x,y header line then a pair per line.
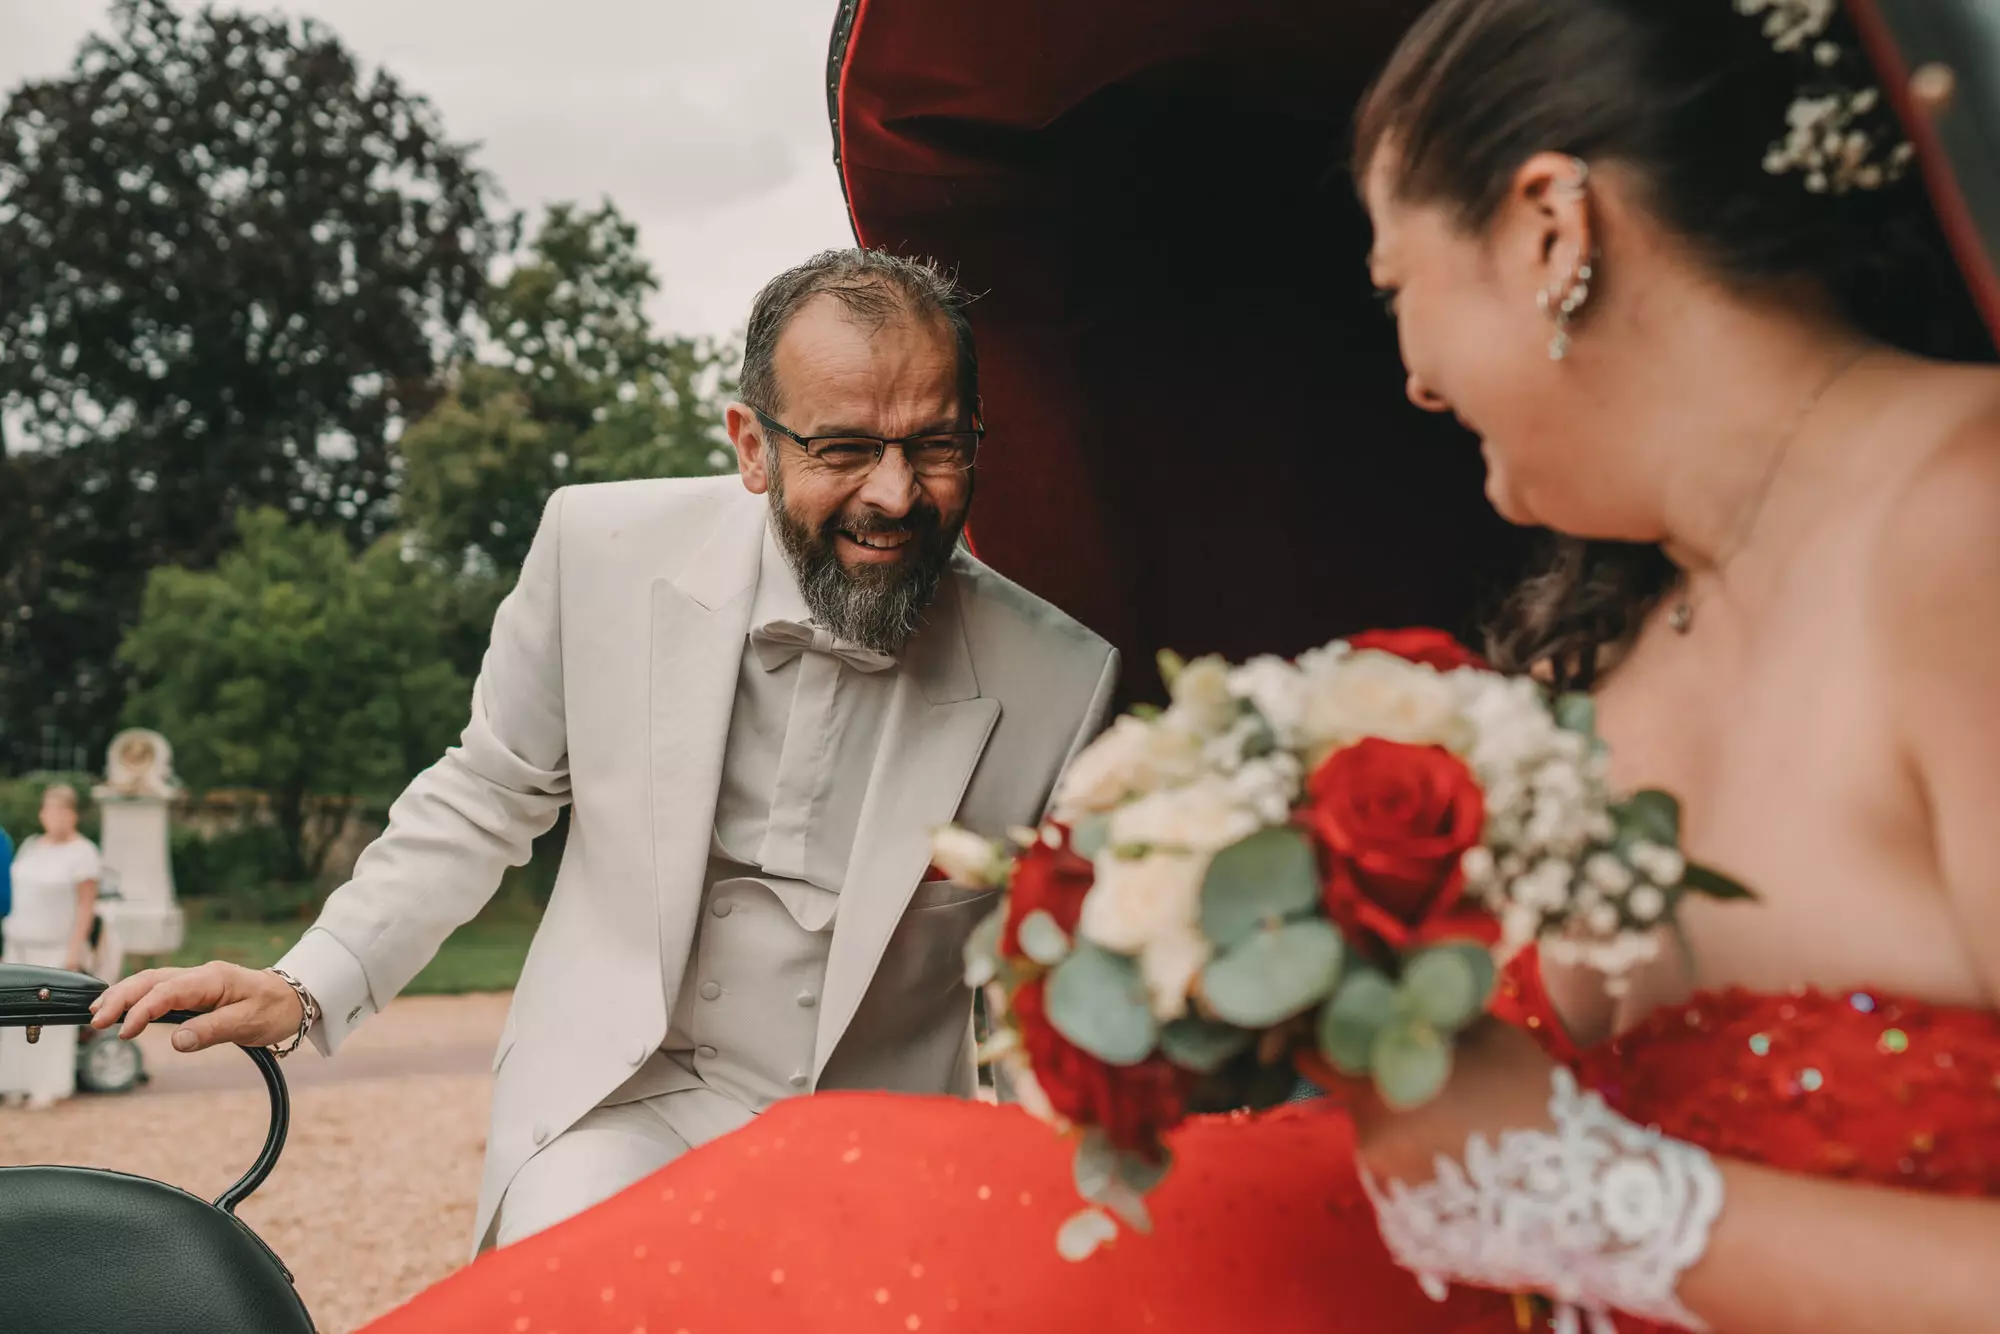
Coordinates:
x,y
1548,223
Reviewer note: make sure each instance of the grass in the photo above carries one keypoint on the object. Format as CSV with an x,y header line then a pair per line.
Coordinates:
x,y
483,955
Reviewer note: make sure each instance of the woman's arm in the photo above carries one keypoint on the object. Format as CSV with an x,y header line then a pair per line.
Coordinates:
x,y
79,934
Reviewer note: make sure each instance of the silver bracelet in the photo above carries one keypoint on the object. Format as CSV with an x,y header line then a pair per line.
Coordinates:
x,y
308,1012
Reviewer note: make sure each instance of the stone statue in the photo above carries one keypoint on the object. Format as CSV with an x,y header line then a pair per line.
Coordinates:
x,y
133,801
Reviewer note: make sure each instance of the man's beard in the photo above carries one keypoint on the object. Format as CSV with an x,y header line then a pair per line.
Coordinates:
x,y
876,606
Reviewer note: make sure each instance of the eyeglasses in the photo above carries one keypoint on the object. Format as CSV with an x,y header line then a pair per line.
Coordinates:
x,y
930,454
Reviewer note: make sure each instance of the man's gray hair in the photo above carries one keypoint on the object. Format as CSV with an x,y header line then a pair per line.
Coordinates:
x,y
875,288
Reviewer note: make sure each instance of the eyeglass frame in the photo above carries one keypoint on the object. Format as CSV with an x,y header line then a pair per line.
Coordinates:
x,y
882,446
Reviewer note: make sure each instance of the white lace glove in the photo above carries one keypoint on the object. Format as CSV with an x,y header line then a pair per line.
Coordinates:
x,y
1599,1214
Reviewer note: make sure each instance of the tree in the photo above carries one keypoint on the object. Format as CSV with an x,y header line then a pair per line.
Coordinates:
x,y
299,668
232,265
573,386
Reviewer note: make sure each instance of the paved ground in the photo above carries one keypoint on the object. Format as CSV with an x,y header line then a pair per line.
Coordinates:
x,y
373,1198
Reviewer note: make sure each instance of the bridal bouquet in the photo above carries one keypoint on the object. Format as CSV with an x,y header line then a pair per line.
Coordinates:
x,y
1301,865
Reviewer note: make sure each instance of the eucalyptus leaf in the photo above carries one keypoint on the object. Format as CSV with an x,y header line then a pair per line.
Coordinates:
x,y
1274,974
1083,1232
1097,1000
1576,712
1448,985
1202,1045
1042,940
1095,1166
1088,836
982,948
1130,1207
1140,1174
1411,1063
1365,1004
1270,876
1652,815
1713,884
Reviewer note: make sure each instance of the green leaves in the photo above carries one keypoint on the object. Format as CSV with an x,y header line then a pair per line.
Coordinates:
x,y
1400,1032
1576,713
1115,1179
1268,877
982,948
1651,815
1272,975
1097,1000
1200,1045
1448,986
1411,1062
1714,884
1365,1005
1042,939
1088,836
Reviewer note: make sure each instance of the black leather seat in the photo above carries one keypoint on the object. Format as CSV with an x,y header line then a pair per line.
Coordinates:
x,y
85,1251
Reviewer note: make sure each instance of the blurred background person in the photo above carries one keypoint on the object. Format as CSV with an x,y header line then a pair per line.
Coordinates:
x,y
54,901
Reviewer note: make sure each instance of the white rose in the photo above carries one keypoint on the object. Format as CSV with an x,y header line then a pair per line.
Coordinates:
x,y
1380,695
1169,964
1202,699
1133,756
1204,816
1136,901
1276,689
972,860
1269,786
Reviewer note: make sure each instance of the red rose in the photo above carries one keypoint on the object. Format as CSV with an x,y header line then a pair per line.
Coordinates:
x,y
1433,648
1132,1104
1395,821
1052,880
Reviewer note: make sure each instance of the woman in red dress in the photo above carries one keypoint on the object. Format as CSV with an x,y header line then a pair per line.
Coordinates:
x,y
1688,315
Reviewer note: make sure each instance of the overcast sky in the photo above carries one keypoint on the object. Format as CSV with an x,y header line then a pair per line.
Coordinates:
x,y
704,120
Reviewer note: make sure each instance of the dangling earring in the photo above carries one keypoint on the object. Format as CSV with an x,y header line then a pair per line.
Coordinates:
x,y
1565,307
1571,301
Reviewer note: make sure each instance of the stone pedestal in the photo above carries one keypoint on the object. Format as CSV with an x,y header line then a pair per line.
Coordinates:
x,y
133,804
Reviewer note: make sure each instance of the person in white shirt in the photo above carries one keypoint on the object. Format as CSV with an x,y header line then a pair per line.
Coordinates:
x,y
760,696
54,904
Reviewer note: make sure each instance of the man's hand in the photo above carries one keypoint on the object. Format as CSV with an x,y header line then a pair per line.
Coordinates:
x,y
245,1006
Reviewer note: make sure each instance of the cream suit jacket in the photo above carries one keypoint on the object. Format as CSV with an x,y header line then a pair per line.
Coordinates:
x,y
608,685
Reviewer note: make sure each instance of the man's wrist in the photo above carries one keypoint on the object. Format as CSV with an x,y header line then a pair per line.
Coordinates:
x,y
308,1012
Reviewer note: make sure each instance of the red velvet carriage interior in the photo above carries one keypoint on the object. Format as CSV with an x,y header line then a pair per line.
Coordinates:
x,y
1199,438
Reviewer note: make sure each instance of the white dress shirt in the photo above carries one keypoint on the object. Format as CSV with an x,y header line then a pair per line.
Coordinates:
x,y
803,732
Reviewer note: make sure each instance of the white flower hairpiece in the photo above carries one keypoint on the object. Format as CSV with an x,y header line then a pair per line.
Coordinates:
x,y
1834,134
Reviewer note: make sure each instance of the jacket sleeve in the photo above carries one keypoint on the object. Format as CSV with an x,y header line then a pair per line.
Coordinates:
x,y
460,823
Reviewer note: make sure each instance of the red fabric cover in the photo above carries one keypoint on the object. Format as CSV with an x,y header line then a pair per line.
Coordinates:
x,y
1198,433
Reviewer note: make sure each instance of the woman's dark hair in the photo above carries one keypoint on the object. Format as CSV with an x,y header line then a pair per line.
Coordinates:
x,y
1690,96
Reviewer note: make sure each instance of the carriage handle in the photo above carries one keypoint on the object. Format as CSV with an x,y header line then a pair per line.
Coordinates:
x,y
36,998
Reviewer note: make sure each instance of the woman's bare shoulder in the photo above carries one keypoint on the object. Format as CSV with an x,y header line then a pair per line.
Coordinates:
x,y
1937,556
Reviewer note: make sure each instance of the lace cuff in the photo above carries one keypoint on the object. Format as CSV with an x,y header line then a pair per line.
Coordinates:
x,y
1599,1214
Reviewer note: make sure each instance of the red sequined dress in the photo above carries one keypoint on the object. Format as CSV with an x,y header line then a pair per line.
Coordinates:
x,y
867,1213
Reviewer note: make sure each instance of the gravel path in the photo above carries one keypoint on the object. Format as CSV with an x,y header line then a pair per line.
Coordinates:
x,y
373,1198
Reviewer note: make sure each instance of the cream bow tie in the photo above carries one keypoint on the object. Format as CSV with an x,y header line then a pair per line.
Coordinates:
x,y
778,642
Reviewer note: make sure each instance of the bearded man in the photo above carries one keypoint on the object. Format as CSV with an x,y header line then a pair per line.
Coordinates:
x,y
759,695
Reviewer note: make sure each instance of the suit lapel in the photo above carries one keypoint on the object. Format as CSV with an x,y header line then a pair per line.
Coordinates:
x,y
700,620
936,730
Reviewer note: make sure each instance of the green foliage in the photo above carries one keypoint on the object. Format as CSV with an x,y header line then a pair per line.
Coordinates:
x,y
576,387
300,669
1097,1000
1448,986
1266,878
1273,974
234,263
1364,1005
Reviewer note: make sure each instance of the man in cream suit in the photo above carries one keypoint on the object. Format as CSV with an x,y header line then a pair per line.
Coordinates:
x,y
760,695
